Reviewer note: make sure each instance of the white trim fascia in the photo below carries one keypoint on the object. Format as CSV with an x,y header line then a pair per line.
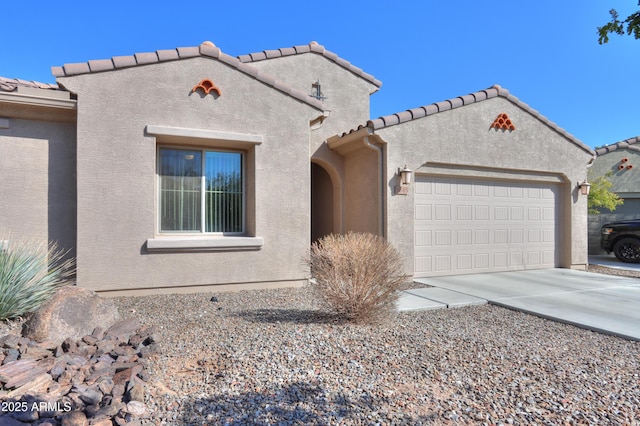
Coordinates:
x,y
204,243
191,133
19,98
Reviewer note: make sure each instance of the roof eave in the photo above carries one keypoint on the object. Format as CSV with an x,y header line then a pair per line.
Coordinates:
x,y
482,95
206,49
625,144
316,48
351,142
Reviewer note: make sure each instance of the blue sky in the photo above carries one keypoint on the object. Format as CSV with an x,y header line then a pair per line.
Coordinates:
x,y
544,52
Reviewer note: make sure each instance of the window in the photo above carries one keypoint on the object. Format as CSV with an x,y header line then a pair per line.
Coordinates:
x,y
201,191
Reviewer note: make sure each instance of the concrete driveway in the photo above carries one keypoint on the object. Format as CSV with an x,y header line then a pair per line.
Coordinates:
x,y
604,303
610,261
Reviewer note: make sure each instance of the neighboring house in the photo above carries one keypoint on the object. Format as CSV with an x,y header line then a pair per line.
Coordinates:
x,y
191,170
621,162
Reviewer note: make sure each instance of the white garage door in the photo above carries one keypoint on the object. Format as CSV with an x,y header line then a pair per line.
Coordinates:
x,y
465,226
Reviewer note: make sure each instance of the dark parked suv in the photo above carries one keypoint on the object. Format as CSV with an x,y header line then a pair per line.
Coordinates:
x,y
623,239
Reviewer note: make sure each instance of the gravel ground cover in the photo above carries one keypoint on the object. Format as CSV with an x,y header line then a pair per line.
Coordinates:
x,y
274,357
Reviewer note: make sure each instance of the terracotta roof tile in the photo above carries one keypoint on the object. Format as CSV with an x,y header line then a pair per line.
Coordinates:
x,y
11,84
252,57
625,144
467,99
101,65
491,92
456,102
146,58
404,116
312,47
123,61
206,49
247,69
431,109
74,69
479,96
316,47
390,120
209,49
443,105
302,48
272,54
188,52
286,51
418,112
167,55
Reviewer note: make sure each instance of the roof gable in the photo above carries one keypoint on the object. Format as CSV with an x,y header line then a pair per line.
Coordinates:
x,y
206,49
312,47
625,144
482,95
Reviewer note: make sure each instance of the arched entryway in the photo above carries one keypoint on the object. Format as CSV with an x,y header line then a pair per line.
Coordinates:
x,y
322,203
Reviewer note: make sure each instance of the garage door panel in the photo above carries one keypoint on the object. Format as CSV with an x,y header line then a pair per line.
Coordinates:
x,y
442,264
534,213
423,212
465,212
501,213
500,260
482,212
469,226
442,188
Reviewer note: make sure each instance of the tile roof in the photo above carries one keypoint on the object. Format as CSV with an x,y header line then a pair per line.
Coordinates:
x,y
435,108
206,49
312,47
625,144
11,84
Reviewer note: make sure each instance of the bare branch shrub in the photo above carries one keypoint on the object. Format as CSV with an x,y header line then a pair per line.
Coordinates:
x,y
357,275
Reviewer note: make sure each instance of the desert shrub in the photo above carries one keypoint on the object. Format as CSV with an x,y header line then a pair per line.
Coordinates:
x,y
357,275
29,275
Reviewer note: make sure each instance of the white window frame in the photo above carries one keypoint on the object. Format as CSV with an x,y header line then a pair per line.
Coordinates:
x,y
211,140
203,192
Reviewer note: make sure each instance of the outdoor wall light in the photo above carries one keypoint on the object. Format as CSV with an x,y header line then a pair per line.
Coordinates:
x,y
405,181
585,187
405,175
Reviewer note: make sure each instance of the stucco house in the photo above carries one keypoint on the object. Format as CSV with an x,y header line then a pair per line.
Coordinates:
x,y
619,161
191,170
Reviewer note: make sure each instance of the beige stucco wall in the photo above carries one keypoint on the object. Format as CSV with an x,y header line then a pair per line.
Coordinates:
x,y
117,181
460,142
346,106
347,95
363,197
37,181
626,183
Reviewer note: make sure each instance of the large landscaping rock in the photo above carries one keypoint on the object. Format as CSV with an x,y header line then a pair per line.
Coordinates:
x,y
98,380
72,312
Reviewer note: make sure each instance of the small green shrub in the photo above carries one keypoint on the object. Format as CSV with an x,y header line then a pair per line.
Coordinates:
x,y
29,275
357,275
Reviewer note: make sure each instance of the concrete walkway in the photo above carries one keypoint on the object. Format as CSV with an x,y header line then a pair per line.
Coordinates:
x,y
598,302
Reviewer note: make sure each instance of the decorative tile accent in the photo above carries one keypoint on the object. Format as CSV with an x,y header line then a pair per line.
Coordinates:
x,y
624,164
207,86
503,122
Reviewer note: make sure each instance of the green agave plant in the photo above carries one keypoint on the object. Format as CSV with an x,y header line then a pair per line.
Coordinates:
x,y
29,275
